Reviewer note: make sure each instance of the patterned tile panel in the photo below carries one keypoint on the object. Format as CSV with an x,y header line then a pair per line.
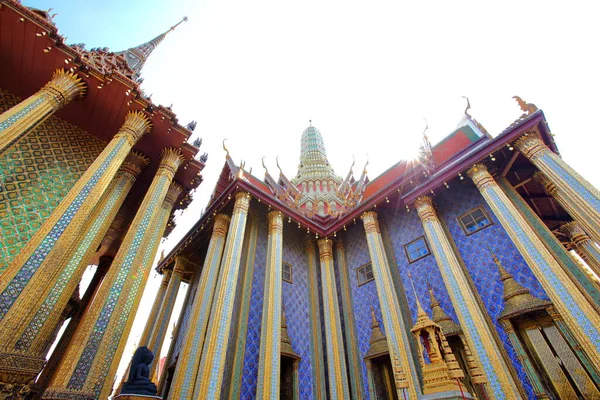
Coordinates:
x,y
35,175
185,321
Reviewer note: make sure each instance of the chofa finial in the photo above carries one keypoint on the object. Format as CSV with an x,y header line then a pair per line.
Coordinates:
x,y
225,148
468,107
527,108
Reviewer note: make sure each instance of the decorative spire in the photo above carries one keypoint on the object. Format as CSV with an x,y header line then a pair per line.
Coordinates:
x,y
313,157
378,342
286,342
439,316
136,56
517,298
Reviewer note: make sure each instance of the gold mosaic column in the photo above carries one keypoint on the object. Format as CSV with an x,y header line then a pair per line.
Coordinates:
x,y
40,262
351,341
316,342
270,333
27,115
336,359
583,246
579,315
164,316
190,354
471,317
581,197
160,295
405,373
86,367
210,374
31,330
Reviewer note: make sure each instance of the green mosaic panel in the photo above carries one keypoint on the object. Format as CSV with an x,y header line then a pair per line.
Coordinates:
x,y
36,173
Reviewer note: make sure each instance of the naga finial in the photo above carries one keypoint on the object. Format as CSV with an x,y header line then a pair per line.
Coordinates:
x,y
367,163
426,127
225,148
527,108
264,166
468,107
277,162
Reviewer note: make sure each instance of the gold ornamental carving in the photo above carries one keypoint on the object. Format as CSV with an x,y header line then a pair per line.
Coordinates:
x,y
370,221
575,233
166,278
531,145
548,186
133,165
325,249
242,203
425,209
221,225
64,87
170,160
173,193
136,125
480,176
275,222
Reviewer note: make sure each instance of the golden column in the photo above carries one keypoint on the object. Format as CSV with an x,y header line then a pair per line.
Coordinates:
x,y
270,333
86,367
478,333
154,312
40,262
166,309
336,359
17,122
354,371
190,354
583,246
31,329
405,373
581,197
579,315
212,364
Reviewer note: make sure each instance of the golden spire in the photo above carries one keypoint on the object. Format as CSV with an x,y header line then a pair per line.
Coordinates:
x,y
439,316
377,342
286,342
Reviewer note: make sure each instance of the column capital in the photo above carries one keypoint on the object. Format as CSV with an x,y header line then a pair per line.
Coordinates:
x,y
133,165
325,249
242,202
166,277
136,125
339,245
309,244
221,225
173,193
180,265
64,87
425,209
543,180
480,176
170,160
275,222
531,146
575,233
370,221
104,263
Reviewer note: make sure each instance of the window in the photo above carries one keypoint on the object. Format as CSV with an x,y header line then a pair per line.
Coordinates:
x,y
474,220
364,274
286,273
416,249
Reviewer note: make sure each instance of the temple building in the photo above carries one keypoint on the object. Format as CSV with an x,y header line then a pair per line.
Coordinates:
x,y
91,173
470,272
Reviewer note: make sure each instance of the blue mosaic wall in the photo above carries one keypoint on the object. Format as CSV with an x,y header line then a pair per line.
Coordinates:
x,y
249,379
363,297
186,312
405,227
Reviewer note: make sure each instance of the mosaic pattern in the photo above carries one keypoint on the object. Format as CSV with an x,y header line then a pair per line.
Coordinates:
x,y
42,314
85,361
35,175
15,287
365,296
187,312
8,122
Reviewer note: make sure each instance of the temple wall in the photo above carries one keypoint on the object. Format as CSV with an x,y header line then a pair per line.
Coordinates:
x,y
36,173
186,312
364,296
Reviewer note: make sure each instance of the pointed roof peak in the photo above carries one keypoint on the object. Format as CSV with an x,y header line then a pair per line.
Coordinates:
x,y
136,56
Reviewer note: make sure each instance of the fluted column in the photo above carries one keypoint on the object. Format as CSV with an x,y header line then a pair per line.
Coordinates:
x,y
18,121
188,363
336,359
471,317
583,246
41,262
581,197
86,367
51,366
351,341
31,329
405,375
210,374
579,315
270,335
319,389
154,312
164,316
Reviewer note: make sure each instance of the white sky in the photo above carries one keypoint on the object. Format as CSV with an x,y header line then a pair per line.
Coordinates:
x,y
367,73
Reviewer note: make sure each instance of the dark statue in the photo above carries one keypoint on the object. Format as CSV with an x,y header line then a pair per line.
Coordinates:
x,y
139,381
